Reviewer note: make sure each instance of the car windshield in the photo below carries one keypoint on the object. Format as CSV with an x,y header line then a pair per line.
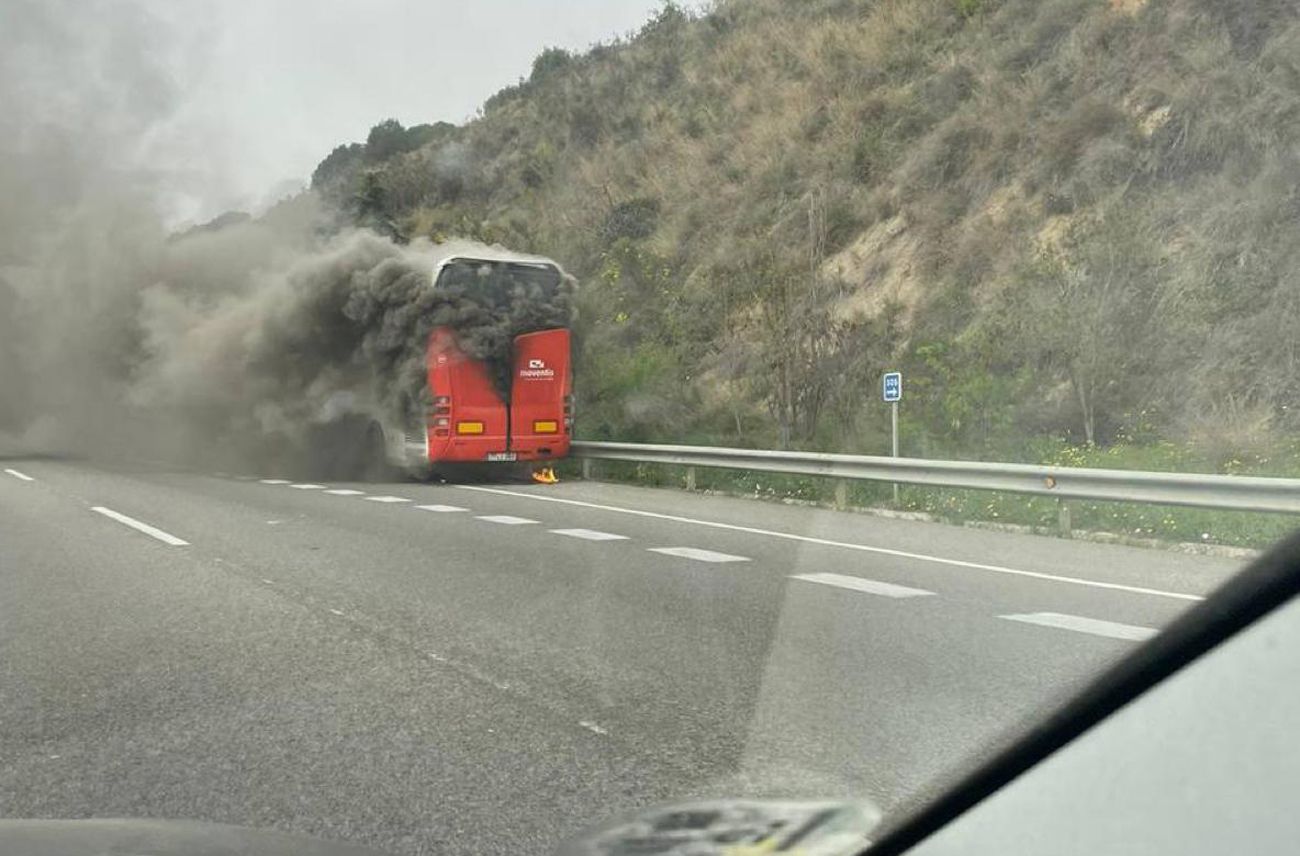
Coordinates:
x,y
447,427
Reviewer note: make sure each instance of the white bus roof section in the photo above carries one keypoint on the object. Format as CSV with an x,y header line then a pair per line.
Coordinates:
x,y
469,252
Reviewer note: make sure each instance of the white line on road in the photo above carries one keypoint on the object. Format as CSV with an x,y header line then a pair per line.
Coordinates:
x,y
883,551
589,534
593,727
19,475
389,499
343,491
859,584
307,486
442,509
273,481
506,519
698,555
337,611
1096,627
151,531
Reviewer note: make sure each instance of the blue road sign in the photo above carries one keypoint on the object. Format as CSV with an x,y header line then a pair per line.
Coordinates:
x,y
893,387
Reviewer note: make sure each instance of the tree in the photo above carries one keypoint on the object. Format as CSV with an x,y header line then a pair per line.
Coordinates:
x,y
1085,311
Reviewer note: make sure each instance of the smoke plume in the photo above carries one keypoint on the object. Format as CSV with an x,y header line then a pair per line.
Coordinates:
x,y
117,337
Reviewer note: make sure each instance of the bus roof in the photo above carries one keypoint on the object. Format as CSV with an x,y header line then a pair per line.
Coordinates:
x,y
496,256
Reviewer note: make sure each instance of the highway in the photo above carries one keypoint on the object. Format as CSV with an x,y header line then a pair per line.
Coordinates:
x,y
482,668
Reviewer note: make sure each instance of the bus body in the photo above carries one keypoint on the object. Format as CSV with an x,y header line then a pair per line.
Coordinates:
x,y
469,420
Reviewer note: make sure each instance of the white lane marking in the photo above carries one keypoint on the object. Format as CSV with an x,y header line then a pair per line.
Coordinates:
x,y
19,475
387,499
824,542
307,486
337,611
442,509
151,531
589,534
506,519
593,727
862,585
343,491
1078,623
273,481
698,555
268,582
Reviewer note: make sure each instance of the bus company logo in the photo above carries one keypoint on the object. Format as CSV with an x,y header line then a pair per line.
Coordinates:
x,y
536,370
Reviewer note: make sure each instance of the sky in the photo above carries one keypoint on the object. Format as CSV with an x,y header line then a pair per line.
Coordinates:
x,y
266,88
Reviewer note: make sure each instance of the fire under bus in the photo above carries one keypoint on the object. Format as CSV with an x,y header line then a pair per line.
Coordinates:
x,y
525,417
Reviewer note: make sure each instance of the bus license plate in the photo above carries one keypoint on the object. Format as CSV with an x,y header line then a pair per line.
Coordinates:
x,y
502,456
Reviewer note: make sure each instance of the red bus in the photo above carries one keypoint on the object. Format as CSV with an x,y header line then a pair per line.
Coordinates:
x,y
517,410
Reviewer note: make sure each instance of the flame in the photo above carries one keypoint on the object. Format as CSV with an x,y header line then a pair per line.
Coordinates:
x,y
545,475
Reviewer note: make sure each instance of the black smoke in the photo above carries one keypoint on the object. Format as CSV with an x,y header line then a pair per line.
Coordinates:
x,y
119,337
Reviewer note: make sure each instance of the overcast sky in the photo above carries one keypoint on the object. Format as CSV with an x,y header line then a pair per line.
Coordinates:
x,y
268,87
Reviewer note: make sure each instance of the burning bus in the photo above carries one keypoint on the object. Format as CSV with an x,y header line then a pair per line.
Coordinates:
x,y
499,384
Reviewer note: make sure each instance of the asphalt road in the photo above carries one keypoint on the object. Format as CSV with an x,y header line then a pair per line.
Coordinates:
x,y
488,669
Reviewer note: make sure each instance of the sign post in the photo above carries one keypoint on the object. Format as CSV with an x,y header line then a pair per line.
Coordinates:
x,y
892,392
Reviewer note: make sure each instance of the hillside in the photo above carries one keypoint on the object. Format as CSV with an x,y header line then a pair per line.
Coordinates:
x,y
1066,221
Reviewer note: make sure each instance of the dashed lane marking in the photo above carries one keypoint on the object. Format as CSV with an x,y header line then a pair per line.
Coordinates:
x,y
151,531
863,585
824,542
442,509
343,491
307,486
589,534
1079,624
698,555
273,481
20,476
593,727
506,519
387,499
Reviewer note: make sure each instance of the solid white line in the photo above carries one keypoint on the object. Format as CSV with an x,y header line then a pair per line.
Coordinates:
x,y
19,475
859,584
506,519
442,509
307,486
589,534
1078,623
387,499
697,555
343,491
883,551
273,481
151,531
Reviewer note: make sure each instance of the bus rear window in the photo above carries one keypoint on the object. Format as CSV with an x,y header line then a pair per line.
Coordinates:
x,y
501,284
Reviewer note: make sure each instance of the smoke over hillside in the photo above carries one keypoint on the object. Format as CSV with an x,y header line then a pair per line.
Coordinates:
x,y
116,337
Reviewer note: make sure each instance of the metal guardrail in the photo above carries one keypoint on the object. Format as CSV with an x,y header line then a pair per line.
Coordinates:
x,y
1240,493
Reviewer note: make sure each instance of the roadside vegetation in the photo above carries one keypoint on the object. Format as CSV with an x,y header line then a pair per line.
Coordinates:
x,y
1074,225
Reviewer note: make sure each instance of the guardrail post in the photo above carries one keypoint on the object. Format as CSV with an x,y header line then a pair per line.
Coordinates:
x,y
586,469
1063,518
841,494
690,478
